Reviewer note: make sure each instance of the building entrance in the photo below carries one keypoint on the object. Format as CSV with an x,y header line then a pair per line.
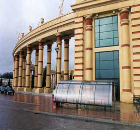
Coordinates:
x,y
107,68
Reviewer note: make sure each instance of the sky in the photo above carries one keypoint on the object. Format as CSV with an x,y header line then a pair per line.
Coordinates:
x,y
16,16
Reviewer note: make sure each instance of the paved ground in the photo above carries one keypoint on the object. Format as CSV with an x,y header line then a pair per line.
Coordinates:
x,y
15,114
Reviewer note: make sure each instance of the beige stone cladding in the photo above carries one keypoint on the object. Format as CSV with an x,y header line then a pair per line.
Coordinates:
x,y
135,20
79,49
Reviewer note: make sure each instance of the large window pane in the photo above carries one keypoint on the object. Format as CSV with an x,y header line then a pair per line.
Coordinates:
x,y
116,64
97,43
96,22
97,56
96,29
106,30
108,27
106,56
96,36
106,20
115,26
116,55
116,41
106,74
106,65
115,19
106,35
115,33
97,65
106,42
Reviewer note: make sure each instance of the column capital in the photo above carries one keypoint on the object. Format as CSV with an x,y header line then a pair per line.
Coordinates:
x,y
124,9
58,34
88,21
89,16
124,13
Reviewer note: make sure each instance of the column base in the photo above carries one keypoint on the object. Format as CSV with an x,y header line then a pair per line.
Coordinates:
x,y
20,89
127,97
27,89
47,90
15,88
39,90
33,90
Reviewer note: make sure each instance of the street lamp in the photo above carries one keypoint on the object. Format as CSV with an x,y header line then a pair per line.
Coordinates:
x,y
56,49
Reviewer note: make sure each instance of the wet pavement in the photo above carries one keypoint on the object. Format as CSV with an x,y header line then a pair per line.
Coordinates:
x,y
16,111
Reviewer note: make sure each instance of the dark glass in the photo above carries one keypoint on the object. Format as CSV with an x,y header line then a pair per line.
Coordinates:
x,y
97,56
106,65
97,74
106,74
116,73
97,65
106,56
116,64
116,55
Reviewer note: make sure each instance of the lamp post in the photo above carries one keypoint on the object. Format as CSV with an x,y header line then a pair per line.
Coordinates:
x,y
56,49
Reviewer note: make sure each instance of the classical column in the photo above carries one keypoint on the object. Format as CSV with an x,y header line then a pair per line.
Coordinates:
x,y
40,69
66,58
36,69
28,69
23,71
20,71
16,70
48,74
126,95
59,43
88,49
13,73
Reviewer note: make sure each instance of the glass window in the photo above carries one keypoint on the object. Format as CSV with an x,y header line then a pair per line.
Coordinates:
x,y
106,56
107,65
106,31
106,42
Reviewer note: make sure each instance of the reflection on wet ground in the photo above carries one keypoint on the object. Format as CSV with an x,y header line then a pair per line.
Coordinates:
x,y
121,112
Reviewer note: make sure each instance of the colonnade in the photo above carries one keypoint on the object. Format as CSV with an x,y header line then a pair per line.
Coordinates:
x,y
22,67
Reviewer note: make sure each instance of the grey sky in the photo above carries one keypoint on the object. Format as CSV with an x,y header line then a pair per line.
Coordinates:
x,y
16,16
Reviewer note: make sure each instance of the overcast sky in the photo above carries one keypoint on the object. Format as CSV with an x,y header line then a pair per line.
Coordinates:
x,y
16,16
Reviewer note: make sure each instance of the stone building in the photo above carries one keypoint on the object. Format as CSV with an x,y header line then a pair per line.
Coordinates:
x,y
107,46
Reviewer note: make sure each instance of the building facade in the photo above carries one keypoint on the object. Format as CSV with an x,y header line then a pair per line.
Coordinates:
x,y
107,46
